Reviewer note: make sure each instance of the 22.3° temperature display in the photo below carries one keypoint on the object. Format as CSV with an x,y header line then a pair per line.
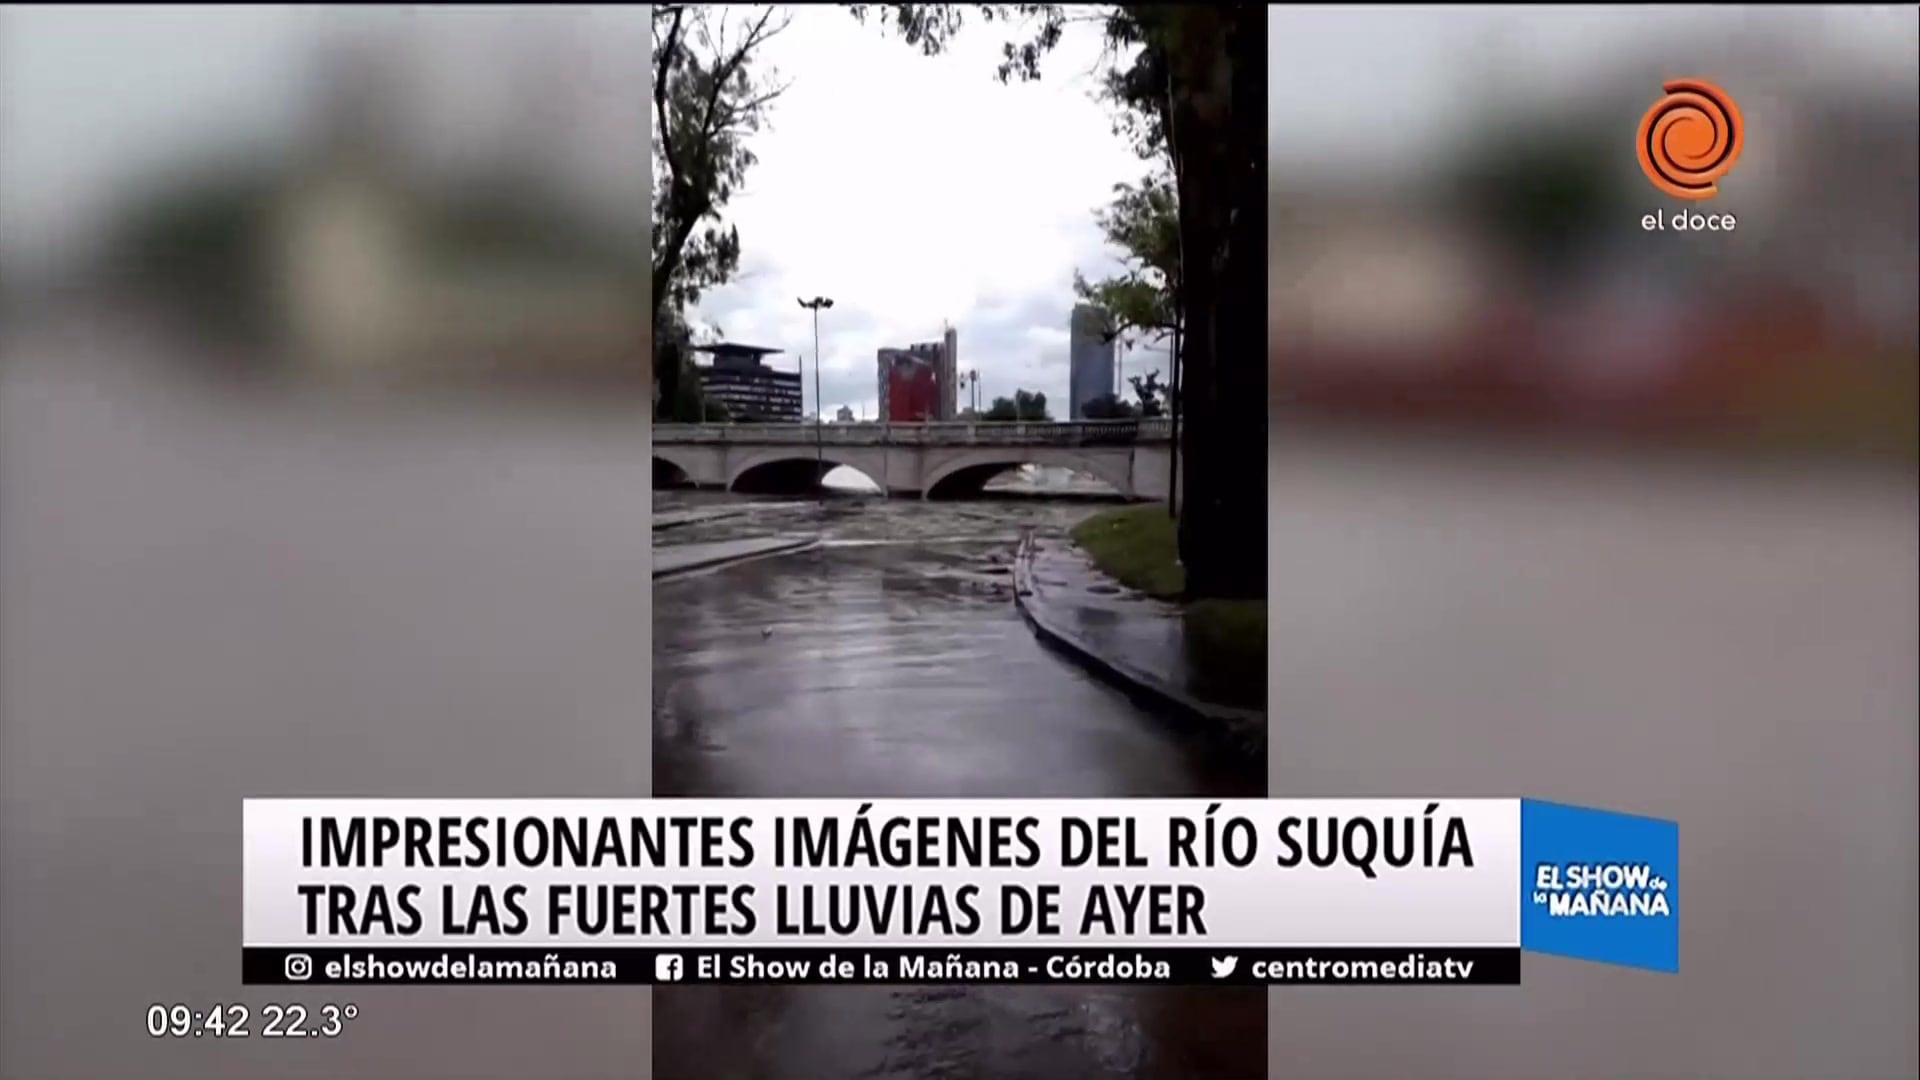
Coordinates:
x,y
182,1021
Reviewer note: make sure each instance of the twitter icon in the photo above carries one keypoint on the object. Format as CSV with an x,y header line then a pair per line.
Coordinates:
x,y
1223,966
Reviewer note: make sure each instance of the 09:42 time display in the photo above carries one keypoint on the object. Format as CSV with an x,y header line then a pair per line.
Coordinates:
x,y
235,1021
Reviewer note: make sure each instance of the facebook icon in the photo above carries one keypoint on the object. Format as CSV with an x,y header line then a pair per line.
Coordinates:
x,y
667,967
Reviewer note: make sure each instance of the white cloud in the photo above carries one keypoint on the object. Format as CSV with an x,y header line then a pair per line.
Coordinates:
x,y
919,190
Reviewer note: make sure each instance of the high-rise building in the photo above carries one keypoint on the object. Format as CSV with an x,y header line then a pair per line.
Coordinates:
x,y
740,379
844,416
1090,367
950,374
942,358
884,360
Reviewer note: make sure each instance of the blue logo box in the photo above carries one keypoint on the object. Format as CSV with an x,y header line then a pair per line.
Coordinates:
x,y
1599,885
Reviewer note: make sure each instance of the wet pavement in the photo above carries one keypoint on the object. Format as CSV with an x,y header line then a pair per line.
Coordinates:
x,y
684,558
891,661
1142,635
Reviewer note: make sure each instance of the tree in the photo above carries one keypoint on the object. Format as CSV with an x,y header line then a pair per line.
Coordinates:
x,y
1150,393
1143,221
1108,407
1023,405
1545,187
1193,80
706,101
1030,406
682,399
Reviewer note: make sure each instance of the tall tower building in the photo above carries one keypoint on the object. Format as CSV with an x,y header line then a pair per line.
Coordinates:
x,y
1090,369
949,369
884,362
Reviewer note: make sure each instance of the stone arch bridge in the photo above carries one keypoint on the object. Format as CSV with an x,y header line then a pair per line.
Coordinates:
x,y
938,460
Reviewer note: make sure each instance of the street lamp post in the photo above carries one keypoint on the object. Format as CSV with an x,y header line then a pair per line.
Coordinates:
x,y
819,432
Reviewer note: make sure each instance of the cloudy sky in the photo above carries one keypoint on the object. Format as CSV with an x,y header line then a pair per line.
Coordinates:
x,y
917,191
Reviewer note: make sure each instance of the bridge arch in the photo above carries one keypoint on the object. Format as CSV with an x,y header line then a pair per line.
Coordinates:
x,y
968,473
675,468
796,469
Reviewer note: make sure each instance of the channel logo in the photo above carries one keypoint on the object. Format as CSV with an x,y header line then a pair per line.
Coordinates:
x,y
299,967
668,967
1691,138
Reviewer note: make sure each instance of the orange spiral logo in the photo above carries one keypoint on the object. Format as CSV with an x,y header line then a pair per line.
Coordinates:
x,y
1691,138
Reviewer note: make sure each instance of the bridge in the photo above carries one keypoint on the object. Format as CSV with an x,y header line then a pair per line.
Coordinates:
x,y
935,460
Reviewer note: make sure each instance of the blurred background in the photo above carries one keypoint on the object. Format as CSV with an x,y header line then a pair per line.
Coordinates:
x,y
1567,509
323,405
388,193
1457,238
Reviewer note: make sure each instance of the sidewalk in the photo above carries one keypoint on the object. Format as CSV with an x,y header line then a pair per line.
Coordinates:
x,y
1131,640
688,558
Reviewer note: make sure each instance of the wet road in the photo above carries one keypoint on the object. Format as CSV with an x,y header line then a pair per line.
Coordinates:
x,y
897,665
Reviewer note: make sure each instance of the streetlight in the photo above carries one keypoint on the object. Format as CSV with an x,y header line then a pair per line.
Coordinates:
x,y
819,449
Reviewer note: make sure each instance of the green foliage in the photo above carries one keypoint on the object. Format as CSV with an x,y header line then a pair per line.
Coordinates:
x,y
1136,547
199,247
1226,640
1227,650
1108,407
1143,221
707,101
502,221
1023,405
1546,189
1151,393
928,27
681,399
1030,406
1137,88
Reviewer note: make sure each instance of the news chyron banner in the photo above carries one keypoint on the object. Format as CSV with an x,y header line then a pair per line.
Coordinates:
x,y
1394,892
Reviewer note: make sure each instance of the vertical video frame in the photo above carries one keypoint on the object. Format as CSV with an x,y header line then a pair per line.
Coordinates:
x,y
959,466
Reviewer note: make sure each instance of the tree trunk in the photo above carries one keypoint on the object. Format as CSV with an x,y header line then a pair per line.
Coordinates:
x,y
682,225
1217,91
669,369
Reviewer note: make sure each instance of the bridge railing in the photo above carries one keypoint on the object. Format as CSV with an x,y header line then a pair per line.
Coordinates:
x,y
942,433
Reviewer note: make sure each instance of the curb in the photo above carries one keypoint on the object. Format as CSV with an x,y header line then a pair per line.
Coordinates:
x,y
805,544
699,519
1245,727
